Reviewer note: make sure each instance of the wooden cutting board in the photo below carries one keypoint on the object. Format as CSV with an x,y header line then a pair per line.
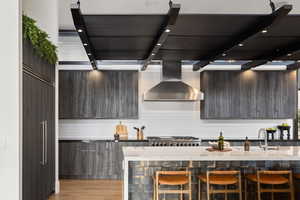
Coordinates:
x,y
122,131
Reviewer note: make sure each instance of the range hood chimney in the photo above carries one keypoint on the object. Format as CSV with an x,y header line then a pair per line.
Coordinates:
x,y
171,88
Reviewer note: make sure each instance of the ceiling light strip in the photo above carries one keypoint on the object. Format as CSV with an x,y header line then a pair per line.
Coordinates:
x,y
81,30
261,27
166,30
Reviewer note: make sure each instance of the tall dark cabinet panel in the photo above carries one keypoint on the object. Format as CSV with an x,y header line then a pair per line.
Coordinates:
x,y
98,94
249,94
38,128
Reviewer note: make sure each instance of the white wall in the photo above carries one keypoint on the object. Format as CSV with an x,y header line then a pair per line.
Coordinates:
x,y
166,118
10,101
45,12
161,7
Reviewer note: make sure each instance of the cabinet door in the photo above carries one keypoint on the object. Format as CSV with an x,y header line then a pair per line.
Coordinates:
x,y
36,64
276,95
264,97
107,96
32,138
98,95
68,151
128,95
76,93
86,159
49,141
77,159
222,95
287,101
247,97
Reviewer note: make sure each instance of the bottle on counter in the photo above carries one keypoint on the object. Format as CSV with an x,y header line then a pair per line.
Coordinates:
x,y
221,142
247,145
117,137
142,132
137,133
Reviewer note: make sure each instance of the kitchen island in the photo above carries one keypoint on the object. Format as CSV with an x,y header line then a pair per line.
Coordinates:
x,y
140,163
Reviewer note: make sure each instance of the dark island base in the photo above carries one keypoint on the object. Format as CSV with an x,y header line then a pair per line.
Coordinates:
x,y
141,172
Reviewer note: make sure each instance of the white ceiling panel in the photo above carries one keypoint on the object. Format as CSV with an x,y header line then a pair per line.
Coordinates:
x,y
161,7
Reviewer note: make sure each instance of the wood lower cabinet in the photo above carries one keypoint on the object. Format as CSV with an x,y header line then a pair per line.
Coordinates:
x,y
93,159
249,94
38,136
98,94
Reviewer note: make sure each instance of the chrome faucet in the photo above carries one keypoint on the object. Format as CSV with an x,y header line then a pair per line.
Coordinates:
x,y
265,146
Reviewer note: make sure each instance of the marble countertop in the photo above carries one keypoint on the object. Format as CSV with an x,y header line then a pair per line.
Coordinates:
x,y
98,139
201,154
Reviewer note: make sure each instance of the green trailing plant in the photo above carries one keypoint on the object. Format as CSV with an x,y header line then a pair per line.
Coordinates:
x,y
39,40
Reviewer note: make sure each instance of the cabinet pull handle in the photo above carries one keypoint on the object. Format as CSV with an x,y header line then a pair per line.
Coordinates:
x,y
43,142
46,142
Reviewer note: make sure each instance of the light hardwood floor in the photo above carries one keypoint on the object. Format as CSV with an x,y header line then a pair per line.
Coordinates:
x,y
89,190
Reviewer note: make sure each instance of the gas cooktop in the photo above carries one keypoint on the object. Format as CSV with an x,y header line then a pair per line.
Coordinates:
x,y
174,141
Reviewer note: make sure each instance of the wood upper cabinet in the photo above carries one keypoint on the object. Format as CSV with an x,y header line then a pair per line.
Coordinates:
x,y
249,94
98,95
37,65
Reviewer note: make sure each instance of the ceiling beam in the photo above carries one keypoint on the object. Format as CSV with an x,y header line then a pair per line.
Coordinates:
x,y
277,54
293,66
163,34
82,32
251,31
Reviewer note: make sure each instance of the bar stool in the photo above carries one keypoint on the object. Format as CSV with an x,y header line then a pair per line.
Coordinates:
x,y
297,178
221,178
271,178
172,178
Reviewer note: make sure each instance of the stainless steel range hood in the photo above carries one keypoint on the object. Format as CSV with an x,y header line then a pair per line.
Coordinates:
x,y
171,88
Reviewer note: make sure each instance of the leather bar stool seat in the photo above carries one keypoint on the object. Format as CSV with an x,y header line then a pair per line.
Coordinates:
x,y
219,179
268,179
173,180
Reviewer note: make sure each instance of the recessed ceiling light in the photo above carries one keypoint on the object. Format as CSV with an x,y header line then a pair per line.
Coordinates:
x,y
264,31
289,54
240,45
85,44
79,30
168,30
158,44
224,54
153,54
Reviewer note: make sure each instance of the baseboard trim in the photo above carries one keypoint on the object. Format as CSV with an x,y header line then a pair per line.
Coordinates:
x,y
57,187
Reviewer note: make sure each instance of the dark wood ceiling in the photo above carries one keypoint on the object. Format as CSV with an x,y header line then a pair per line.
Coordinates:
x,y
129,37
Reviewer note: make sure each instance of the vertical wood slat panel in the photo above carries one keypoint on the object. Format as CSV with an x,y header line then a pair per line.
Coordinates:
x,y
249,95
98,95
36,64
93,160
